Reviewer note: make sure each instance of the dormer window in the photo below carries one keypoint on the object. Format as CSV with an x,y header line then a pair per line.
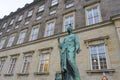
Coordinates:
x,y
69,5
54,2
20,17
41,8
12,21
30,13
4,25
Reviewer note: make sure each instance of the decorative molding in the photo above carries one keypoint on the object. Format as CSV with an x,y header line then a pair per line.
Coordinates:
x,y
8,74
22,74
101,71
4,57
44,49
92,3
16,55
98,40
28,53
41,73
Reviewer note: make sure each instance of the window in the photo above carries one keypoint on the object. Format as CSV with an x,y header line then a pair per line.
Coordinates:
x,y
0,33
52,12
54,2
4,25
41,8
38,17
34,33
27,60
17,26
69,5
20,17
8,30
2,61
98,57
2,42
50,28
30,13
12,65
44,63
11,40
11,22
21,37
68,19
93,15
27,21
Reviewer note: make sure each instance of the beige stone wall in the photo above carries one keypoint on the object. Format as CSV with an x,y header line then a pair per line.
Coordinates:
x,y
83,58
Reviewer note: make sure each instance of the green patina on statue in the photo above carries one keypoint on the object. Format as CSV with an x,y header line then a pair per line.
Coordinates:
x,y
68,49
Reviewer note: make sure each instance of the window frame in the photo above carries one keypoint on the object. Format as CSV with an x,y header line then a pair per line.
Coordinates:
x,y
44,62
20,17
26,64
99,13
46,28
34,34
30,13
54,2
105,53
41,8
68,15
12,21
10,43
21,37
4,25
12,65
1,46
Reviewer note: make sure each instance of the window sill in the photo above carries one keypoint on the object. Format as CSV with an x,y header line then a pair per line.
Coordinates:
x,y
101,71
22,74
8,74
41,73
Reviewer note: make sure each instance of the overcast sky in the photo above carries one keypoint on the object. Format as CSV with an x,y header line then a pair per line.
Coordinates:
x,y
7,6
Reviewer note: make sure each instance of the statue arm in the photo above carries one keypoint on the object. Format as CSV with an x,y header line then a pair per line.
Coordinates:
x,y
77,44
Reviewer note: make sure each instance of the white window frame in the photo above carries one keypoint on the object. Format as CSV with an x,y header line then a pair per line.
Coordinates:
x,y
64,21
12,65
99,66
22,37
2,42
44,62
34,33
26,64
11,40
93,19
50,28
30,13
41,8
54,2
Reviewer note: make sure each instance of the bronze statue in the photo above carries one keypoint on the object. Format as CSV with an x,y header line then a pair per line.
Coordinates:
x,y
68,49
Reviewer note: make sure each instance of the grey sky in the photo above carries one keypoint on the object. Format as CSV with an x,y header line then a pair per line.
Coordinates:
x,y
7,6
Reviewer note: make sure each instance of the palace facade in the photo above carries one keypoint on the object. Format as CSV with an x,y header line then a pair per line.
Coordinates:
x,y
28,39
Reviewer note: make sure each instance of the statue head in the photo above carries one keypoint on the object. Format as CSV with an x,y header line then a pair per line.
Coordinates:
x,y
70,28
